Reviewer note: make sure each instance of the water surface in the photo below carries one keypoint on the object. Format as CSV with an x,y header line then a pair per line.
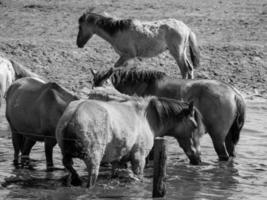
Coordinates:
x,y
243,178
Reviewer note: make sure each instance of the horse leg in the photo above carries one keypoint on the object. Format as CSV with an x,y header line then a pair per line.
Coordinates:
x,y
117,165
150,156
27,147
92,164
190,68
73,177
230,146
179,54
49,145
138,161
17,141
220,148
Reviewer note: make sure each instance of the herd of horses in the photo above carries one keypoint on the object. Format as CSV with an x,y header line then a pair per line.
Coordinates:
x,y
127,108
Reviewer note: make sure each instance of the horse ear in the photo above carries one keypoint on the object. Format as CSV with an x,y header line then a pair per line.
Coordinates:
x,y
191,108
94,72
110,71
192,113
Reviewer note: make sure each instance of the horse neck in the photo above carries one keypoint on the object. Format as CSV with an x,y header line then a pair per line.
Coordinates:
x,y
169,88
140,88
103,34
23,71
159,129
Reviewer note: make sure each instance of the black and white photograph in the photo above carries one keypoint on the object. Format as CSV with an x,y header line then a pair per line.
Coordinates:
x,y
133,99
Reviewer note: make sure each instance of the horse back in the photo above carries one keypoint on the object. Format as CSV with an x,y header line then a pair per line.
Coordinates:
x,y
105,126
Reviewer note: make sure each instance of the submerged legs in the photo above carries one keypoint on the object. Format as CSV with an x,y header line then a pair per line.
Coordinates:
x,y
230,145
27,147
220,149
18,141
93,165
49,145
138,161
73,178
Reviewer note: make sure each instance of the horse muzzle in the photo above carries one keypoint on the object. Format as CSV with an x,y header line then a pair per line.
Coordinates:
x,y
195,160
79,44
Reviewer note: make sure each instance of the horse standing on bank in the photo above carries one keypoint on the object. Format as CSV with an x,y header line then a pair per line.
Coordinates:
x,y
33,108
134,38
124,130
221,105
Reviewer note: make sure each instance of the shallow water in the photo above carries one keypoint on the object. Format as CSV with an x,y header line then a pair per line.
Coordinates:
x,y
243,178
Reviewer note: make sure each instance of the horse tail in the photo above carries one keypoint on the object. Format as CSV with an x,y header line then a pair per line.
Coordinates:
x,y
239,119
194,49
66,136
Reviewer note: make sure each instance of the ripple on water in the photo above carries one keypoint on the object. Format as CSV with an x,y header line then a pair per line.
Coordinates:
x,y
245,177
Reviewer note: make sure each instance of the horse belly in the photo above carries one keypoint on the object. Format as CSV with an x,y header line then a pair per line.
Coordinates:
x,y
115,152
150,47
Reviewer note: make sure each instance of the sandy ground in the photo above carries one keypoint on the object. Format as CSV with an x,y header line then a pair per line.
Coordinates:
x,y
232,37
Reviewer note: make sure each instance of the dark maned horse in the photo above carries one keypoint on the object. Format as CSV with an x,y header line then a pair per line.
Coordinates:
x,y
124,130
33,109
134,38
221,105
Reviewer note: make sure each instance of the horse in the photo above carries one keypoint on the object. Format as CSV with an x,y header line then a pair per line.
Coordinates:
x,y
221,105
33,108
133,38
122,130
11,70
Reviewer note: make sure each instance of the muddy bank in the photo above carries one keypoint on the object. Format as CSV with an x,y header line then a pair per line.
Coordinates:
x,y
42,36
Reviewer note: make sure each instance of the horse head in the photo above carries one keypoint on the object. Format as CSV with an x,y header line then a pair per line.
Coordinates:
x,y
181,121
86,28
192,130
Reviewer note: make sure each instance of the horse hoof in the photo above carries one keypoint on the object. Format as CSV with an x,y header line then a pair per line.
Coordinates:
x,y
16,163
76,181
195,161
66,180
223,158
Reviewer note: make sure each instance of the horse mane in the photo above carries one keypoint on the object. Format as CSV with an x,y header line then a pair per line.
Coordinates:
x,y
132,76
167,108
108,24
22,71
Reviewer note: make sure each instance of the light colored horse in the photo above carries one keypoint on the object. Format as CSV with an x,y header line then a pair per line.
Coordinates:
x,y
124,130
7,76
134,38
221,105
33,108
10,70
